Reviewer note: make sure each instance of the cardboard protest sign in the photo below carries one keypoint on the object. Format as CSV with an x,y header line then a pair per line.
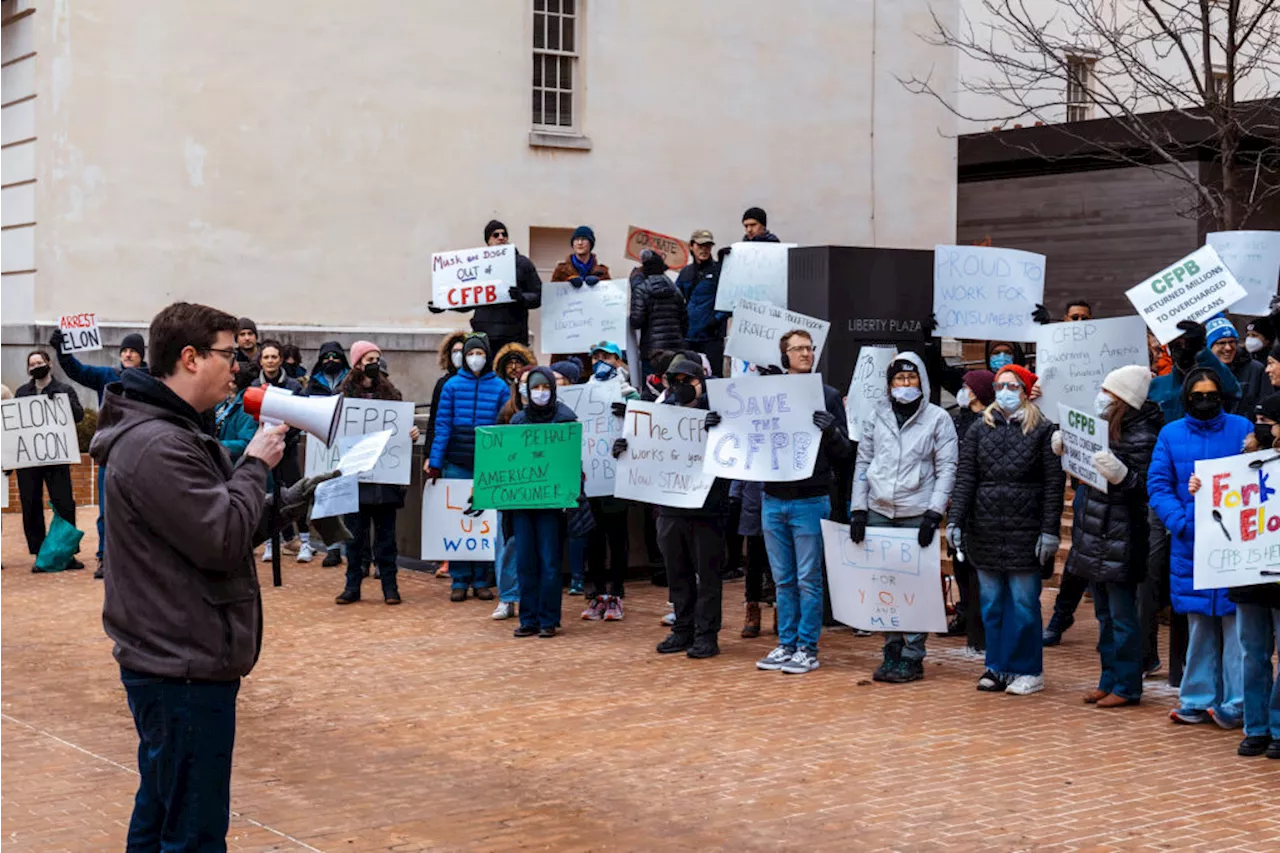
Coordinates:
x,y
1254,259
365,417
986,293
673,250
528,466
1237,521
663,461
593,403
1195,288
766,431
38,430
755,271
451,529
886,583
1072,359
868,388
575,318
1083,435
80,333
338,496
468,277
758,326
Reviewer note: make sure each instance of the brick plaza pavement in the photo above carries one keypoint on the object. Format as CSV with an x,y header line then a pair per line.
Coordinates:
x,y
428,727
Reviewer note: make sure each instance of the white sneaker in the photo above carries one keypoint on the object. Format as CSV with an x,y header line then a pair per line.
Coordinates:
x,y
1025,685
266,552
669,619
305,554
775,659
504,610
801,662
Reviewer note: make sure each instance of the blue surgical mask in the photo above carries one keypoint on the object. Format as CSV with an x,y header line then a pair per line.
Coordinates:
x,y
904,395
603,370
1102,404
999,360
1008,400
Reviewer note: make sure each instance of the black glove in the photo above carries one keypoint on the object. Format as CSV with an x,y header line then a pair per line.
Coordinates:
x,y
619,409
431,306
713,419
858,526
55,341
592,280
576,281
928,527
619,447
723,253
824,420
517,295
1186,348
931,325
1041,315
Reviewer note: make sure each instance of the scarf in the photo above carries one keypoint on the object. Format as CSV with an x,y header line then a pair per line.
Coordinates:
x,y
584,268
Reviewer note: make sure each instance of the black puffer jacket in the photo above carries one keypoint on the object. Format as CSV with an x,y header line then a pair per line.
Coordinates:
x,y
659,314
1008,491
509,321
1109,533
1254,384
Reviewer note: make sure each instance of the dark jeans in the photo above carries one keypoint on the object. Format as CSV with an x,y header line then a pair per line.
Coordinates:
x,y
382,517
537,543
610,533
31,486
759,579
693,550
1071,589
1119,638
732,538
186,733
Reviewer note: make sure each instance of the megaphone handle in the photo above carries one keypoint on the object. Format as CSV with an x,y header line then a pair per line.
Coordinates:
x,y
276,579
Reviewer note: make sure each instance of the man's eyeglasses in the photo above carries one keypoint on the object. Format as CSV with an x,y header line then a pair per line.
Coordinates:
x,y
800,349
1007,386
228,354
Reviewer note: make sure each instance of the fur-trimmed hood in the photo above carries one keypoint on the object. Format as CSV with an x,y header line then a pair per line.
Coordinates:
x,y
512,350
442,357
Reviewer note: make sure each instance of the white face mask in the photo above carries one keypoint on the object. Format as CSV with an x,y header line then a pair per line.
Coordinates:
x,y
964,398
1253,345
475,363
905,395
1102,404
456,358
540,396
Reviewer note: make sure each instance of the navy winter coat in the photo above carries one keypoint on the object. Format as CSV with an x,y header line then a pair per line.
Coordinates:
x,y
467,401
89,375
698,284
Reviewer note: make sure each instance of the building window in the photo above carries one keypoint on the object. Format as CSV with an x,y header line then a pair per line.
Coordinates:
x,y
1219,81
1079,84
555,63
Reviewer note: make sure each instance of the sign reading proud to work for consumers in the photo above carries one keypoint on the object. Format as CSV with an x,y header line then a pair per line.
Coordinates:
x,y
885,583
80,333
451,528
1083,435
663,461
469,277
575,318
38,430
766,432
1195,288
985,293
362,418
755,271
868,388
593,404
1237,521
1072,359
528,466
758,326
1254,259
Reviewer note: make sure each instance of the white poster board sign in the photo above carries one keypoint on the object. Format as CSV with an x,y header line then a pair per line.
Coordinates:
x,y
1254,259
1072,359
80,333
1237,521
361,453
364,417
758,326
593,403
38,430
885,583
466,278
1083,435
984,293
868,388
338,496
575,318
1195,288
451,529
663,461
766,432
755,271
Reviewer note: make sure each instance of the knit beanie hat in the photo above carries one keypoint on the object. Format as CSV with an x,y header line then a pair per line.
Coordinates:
x,y
494,225
1262,326
1130,383
1217,328
246,323
362,348
584,232
1026,377
570,370
901,365
682,365
979,382
135,341
758,214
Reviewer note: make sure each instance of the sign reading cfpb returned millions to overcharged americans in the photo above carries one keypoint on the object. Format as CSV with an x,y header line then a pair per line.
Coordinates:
x,y
1196,287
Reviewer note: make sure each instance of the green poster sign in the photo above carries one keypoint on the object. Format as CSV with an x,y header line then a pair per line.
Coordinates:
x,y
530,466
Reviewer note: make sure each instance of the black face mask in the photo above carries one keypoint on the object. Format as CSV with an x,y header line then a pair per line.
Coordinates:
x,y
1205,405
293,370
1262,432
684,393
372,371
331,368
40,371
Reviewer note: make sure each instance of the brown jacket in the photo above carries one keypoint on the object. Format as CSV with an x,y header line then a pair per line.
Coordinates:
x,y
182,597
565,270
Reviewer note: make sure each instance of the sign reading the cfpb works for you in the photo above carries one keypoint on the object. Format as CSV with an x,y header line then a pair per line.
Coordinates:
x,y
1195,288
466,278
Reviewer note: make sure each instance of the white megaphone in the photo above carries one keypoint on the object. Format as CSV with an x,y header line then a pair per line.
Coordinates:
x,y
316,415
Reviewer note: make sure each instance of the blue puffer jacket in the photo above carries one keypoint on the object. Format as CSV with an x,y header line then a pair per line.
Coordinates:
x,y
1178,447
466,402
698,284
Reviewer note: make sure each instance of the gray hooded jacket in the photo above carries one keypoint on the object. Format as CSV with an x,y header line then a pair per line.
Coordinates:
x,y
904,472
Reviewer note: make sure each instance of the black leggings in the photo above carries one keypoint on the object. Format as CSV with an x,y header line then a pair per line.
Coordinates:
x,y
610,533
31,485
759,576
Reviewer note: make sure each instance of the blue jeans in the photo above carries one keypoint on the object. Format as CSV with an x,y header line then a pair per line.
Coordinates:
x,y
1010,604
537,535
102,510
578,560
1212,676
793,538
464,573
896,643
186,733
1119,638
1259,632
504,563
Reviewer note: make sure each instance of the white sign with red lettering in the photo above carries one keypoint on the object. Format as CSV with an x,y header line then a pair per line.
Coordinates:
x,y
80,333
469,277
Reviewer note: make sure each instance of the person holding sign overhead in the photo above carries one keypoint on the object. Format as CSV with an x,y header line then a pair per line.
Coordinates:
x,y
32,481
1110,535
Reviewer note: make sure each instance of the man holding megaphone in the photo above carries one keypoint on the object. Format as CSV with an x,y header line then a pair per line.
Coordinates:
x,y
182,601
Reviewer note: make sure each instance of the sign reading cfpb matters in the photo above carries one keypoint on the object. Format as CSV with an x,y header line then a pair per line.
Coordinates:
x,y
1196,287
